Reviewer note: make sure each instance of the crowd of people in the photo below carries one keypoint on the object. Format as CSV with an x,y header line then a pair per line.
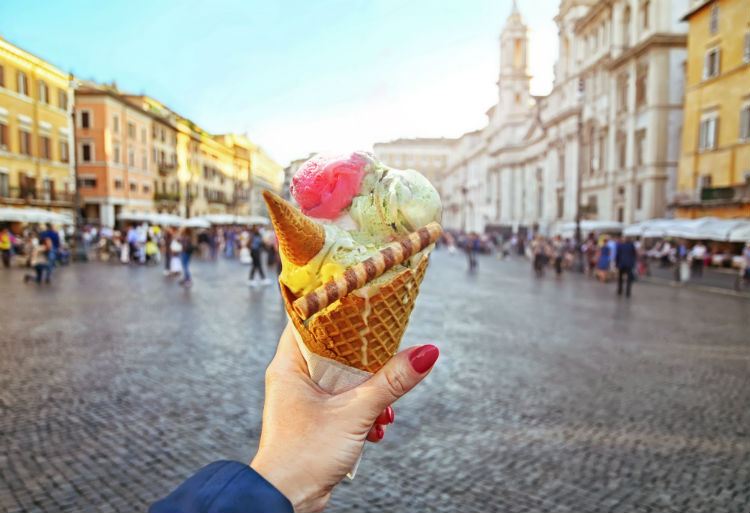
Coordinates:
x,y
604,257
43,248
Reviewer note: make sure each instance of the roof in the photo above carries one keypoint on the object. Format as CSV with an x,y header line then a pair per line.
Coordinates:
x,y
695,9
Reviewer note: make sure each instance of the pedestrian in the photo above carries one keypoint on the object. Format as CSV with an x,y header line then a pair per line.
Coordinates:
x,y
589,250
625,260
539,255
271,244
132,241
558,251
39,259
6,245
743,280
188,245
602,264
256,245
167,238
54,238
697,256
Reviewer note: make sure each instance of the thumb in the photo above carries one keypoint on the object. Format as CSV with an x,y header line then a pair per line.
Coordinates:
x,y
399,375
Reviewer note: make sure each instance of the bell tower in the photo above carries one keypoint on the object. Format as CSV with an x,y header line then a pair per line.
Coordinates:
x,y
514,80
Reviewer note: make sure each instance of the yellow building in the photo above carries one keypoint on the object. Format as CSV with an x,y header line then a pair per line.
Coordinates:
x,y
714,172
265,174
36,127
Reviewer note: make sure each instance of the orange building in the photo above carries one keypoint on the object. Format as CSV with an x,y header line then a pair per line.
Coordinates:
x,y
116,172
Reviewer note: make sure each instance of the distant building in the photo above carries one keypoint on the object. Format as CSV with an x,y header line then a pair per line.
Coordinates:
x,y
611,124
113,137
36,132
714,175
429,156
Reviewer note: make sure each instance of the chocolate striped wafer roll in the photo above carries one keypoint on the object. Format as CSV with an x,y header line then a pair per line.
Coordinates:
x,y
357,276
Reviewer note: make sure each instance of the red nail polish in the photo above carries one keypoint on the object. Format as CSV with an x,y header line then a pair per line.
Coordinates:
x,y
379,432
423,358
391,415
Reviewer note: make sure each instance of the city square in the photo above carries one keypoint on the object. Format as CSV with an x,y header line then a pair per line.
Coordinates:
x,y
549,395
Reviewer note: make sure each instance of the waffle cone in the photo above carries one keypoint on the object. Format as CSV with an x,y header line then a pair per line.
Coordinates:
x,y
358,332
300,238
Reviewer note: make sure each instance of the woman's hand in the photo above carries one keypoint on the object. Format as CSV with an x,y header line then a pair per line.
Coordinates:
x,y
311,439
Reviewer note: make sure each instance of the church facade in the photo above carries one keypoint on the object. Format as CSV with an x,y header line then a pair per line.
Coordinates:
x,y
604,142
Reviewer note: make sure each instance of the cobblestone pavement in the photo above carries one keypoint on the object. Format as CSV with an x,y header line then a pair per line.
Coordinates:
x,y
550,395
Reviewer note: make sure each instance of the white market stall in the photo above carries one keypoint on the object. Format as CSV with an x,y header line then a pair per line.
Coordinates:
x,y
568,230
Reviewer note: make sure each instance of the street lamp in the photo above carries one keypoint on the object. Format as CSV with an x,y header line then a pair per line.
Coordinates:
x,y
79,250
578,263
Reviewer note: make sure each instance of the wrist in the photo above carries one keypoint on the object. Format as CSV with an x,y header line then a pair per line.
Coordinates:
x,y
303,495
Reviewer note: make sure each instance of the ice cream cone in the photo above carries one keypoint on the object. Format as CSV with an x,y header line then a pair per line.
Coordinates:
x,y
300,238
363,329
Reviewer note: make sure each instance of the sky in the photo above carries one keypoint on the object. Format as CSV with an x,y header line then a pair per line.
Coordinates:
x,y
295,76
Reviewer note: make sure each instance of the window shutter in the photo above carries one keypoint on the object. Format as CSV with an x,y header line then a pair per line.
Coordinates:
x,y
705,66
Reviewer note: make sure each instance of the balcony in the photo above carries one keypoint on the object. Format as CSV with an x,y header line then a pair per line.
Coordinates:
x,y
734,194
166,168
35,197
167,197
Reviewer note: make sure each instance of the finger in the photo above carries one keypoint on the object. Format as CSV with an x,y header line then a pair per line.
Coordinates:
x,y
387,417
377,433
399,375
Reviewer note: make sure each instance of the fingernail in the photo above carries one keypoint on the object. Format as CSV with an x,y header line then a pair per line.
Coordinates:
x,y
379,432
423,358
391,415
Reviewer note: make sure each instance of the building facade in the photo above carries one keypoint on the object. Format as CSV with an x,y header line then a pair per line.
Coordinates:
x,y
429,156
603,144
116,172
714,173
36,132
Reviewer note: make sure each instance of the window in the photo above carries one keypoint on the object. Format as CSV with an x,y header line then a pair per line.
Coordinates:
x,y
23,83
87,182
713,21
153,131
620,215
622,91
116,153
86,153
118,183
2,83
641,84
626,27
639,197
3,136
115,124
44,147
85,119
144,135
745,123
131,130
4,189
133,187
43,92
640,147
707,133
560,204
704,182
48,188
602,160
144,160
131,156
146,188
24,138
64,157
593,203
621,147
645,6
711,63
745,52
62,99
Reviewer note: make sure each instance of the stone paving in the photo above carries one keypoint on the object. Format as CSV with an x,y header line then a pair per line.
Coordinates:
x,y
550,395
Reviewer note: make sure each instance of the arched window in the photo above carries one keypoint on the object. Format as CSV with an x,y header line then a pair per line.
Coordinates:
x,y
517,53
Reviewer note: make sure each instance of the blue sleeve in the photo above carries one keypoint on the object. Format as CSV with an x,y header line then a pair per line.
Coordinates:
x,y
224,487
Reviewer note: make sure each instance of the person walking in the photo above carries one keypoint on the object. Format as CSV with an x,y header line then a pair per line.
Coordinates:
x,y
256,245
602,265
186,239
6,245
625,260
697,256
40,260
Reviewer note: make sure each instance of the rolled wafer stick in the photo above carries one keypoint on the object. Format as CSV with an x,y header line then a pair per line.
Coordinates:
x,y
357,276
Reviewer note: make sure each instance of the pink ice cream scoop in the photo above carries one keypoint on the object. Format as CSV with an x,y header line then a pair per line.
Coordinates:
x,y
324,186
